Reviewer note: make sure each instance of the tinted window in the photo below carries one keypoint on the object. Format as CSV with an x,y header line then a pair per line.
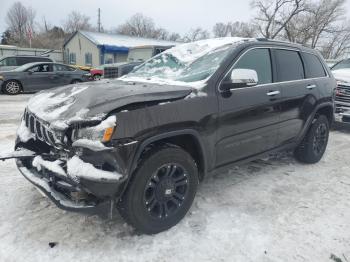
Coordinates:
x,y
43,68
61,68
289,65
313,66
24,60
258,60
10,61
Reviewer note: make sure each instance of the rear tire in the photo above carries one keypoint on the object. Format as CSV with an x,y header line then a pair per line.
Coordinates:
x,y
12,87
315,142
161,191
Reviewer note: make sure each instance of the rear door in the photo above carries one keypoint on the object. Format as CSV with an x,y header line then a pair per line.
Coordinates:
x,y
299,94
63,75
249,116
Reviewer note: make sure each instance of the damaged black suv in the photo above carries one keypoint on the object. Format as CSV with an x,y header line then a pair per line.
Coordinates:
x,y
143,143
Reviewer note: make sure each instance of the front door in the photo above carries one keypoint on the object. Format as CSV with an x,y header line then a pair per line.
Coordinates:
x,y
39,77
249,116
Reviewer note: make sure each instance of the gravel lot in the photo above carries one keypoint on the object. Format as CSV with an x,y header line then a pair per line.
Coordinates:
x,y
270,210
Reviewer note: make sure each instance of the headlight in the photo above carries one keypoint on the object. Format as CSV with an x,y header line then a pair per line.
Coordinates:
x,y
1,78
102,132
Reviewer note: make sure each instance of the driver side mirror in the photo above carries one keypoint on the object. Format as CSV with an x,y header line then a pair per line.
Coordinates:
x,y
240,78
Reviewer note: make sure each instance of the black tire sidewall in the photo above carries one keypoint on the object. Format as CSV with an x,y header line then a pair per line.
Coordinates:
x,y
139,215
307,154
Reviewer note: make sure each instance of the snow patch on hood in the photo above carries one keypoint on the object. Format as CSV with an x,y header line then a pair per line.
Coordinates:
x,y
49,106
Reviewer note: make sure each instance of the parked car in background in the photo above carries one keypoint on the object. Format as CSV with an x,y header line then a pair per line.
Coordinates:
x,y
142,143
342,97
97,73
39,76
12,62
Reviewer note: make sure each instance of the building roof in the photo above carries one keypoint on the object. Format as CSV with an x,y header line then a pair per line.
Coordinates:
x,y
123,41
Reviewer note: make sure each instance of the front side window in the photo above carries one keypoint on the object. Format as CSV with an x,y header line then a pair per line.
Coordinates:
x,y
258,60
289,65
313,66
43,68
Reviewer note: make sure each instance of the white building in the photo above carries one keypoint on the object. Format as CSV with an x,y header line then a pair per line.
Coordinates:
x,y
93,49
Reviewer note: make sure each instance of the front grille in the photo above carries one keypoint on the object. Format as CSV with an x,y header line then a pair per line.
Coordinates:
x,y
343,95
40,129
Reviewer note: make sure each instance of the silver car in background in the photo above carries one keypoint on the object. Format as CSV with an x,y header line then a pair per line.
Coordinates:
x,y
35,77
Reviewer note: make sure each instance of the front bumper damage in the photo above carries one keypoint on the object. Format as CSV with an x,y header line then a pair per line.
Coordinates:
x,y
86,194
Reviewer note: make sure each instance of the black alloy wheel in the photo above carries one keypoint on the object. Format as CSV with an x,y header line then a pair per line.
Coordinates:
x,y
166,190
161,190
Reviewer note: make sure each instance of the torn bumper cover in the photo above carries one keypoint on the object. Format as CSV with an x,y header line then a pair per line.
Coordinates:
x,y
73,185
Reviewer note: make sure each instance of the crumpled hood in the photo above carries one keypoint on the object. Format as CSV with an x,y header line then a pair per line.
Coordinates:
x,y
94,100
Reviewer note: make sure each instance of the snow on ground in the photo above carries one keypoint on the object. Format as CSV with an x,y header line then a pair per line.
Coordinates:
x,y
268,210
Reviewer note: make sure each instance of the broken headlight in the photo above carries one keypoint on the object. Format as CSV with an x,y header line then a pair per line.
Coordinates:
x,y
102,132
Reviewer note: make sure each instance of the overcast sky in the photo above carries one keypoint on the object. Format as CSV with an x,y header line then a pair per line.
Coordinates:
x,y
175,15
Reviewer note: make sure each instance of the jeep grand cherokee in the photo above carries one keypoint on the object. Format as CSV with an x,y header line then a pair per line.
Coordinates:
x,y
143,143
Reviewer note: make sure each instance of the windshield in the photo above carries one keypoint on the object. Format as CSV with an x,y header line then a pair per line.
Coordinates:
x,y
167,66
342,64
190,63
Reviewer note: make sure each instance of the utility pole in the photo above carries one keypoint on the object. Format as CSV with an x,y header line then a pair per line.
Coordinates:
x,y
99,20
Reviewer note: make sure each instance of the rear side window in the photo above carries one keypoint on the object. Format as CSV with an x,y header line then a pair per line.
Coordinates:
x,y
258,60
313,66
289,65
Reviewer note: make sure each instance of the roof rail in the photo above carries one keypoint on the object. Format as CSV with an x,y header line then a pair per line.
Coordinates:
x,y
277,41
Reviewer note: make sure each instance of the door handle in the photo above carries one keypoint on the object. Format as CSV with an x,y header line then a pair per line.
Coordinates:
x,y
311,87
273,93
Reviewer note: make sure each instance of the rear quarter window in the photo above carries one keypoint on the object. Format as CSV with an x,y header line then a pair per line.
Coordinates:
x,y
313,66
289,65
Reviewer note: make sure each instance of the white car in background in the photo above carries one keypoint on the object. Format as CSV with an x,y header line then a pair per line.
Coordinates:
x,y
341,72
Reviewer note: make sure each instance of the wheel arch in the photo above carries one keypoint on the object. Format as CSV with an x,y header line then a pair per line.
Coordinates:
x,y
326,108
188,139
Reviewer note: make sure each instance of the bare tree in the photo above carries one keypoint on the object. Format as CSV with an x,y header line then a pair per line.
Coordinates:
x,y
320,18
138,25
76,21
20,20
196,34
337,44
174,37
221,29
274,15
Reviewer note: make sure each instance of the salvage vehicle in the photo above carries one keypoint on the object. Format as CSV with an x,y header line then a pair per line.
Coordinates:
x,y
142,143
12,62
39,76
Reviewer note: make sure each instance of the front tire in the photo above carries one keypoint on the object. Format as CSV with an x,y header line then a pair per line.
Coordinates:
x,y
12,87
315,142
161,191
